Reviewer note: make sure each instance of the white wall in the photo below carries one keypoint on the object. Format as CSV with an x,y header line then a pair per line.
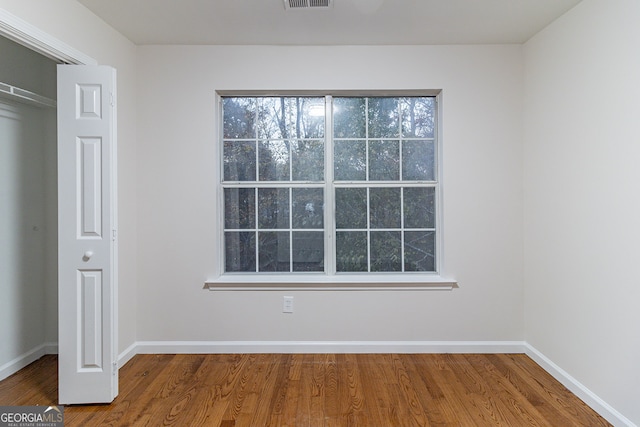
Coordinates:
x,y
72,23
582,204
482,98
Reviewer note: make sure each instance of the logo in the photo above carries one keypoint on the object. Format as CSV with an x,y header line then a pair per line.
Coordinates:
x,y
31,416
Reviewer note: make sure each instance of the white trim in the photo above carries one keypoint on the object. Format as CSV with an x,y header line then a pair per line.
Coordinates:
x,y
287,347
50,348
440,186
256,287
27,358
35,39
127,355
325,282
577,388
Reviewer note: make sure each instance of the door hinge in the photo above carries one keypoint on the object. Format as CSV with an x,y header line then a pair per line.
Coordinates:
x,y
115,368
114,234
111,100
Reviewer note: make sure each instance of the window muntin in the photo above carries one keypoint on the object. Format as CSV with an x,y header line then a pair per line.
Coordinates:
x,y
380,191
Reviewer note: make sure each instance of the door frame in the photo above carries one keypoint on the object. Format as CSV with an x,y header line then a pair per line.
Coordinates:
x,y
20,31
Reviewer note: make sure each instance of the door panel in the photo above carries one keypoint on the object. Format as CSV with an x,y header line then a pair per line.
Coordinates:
x,y
86,235
89,187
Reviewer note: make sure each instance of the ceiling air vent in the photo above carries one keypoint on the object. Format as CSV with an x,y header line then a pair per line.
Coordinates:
x,y
307,4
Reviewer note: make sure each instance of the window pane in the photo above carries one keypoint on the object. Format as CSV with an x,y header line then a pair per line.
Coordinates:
x,y
273,250
308,160
383,118
386,251
313,112
351,208
273,208
239,115
418,161
239,161
349,118
418,117
384,207
350,160
419,251
271,122
308,251
308,208
240,251
274,160
290,117
384,161
419,207
351,251
277,146
239,208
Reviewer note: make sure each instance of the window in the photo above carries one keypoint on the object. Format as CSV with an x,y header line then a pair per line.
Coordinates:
x,y
331,184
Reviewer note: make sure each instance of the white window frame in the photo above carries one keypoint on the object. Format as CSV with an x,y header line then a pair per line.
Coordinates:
x,y
328,280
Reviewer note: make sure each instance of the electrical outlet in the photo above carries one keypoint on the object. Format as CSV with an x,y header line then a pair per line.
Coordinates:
x,y
287,305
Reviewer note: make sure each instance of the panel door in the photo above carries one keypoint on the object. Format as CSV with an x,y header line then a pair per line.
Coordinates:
x,y
87,227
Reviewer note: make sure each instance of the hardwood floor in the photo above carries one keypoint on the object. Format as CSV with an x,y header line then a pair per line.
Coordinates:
x,y
318,390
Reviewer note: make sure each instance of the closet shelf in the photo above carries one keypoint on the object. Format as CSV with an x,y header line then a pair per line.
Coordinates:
x,y
28,97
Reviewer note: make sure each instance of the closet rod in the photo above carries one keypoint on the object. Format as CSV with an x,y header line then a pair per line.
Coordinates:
x,y
22,95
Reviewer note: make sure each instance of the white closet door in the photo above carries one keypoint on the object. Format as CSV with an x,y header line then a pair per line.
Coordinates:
x,y
87,250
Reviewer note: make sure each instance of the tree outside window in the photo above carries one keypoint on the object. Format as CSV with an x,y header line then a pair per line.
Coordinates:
x,y
283,199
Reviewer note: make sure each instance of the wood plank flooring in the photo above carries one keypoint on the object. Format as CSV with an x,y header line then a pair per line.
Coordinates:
x,y
379,390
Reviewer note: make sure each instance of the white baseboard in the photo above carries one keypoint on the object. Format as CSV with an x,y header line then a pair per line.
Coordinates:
x,y
26,358
577,388
50,348
127,355
219,347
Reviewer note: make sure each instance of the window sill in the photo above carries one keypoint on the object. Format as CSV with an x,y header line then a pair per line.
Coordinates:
x,y
320,282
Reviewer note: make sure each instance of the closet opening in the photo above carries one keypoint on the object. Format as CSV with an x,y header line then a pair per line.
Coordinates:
x,y
28,206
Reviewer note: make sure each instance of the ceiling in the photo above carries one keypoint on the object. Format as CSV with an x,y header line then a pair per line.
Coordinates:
x,y
347,22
